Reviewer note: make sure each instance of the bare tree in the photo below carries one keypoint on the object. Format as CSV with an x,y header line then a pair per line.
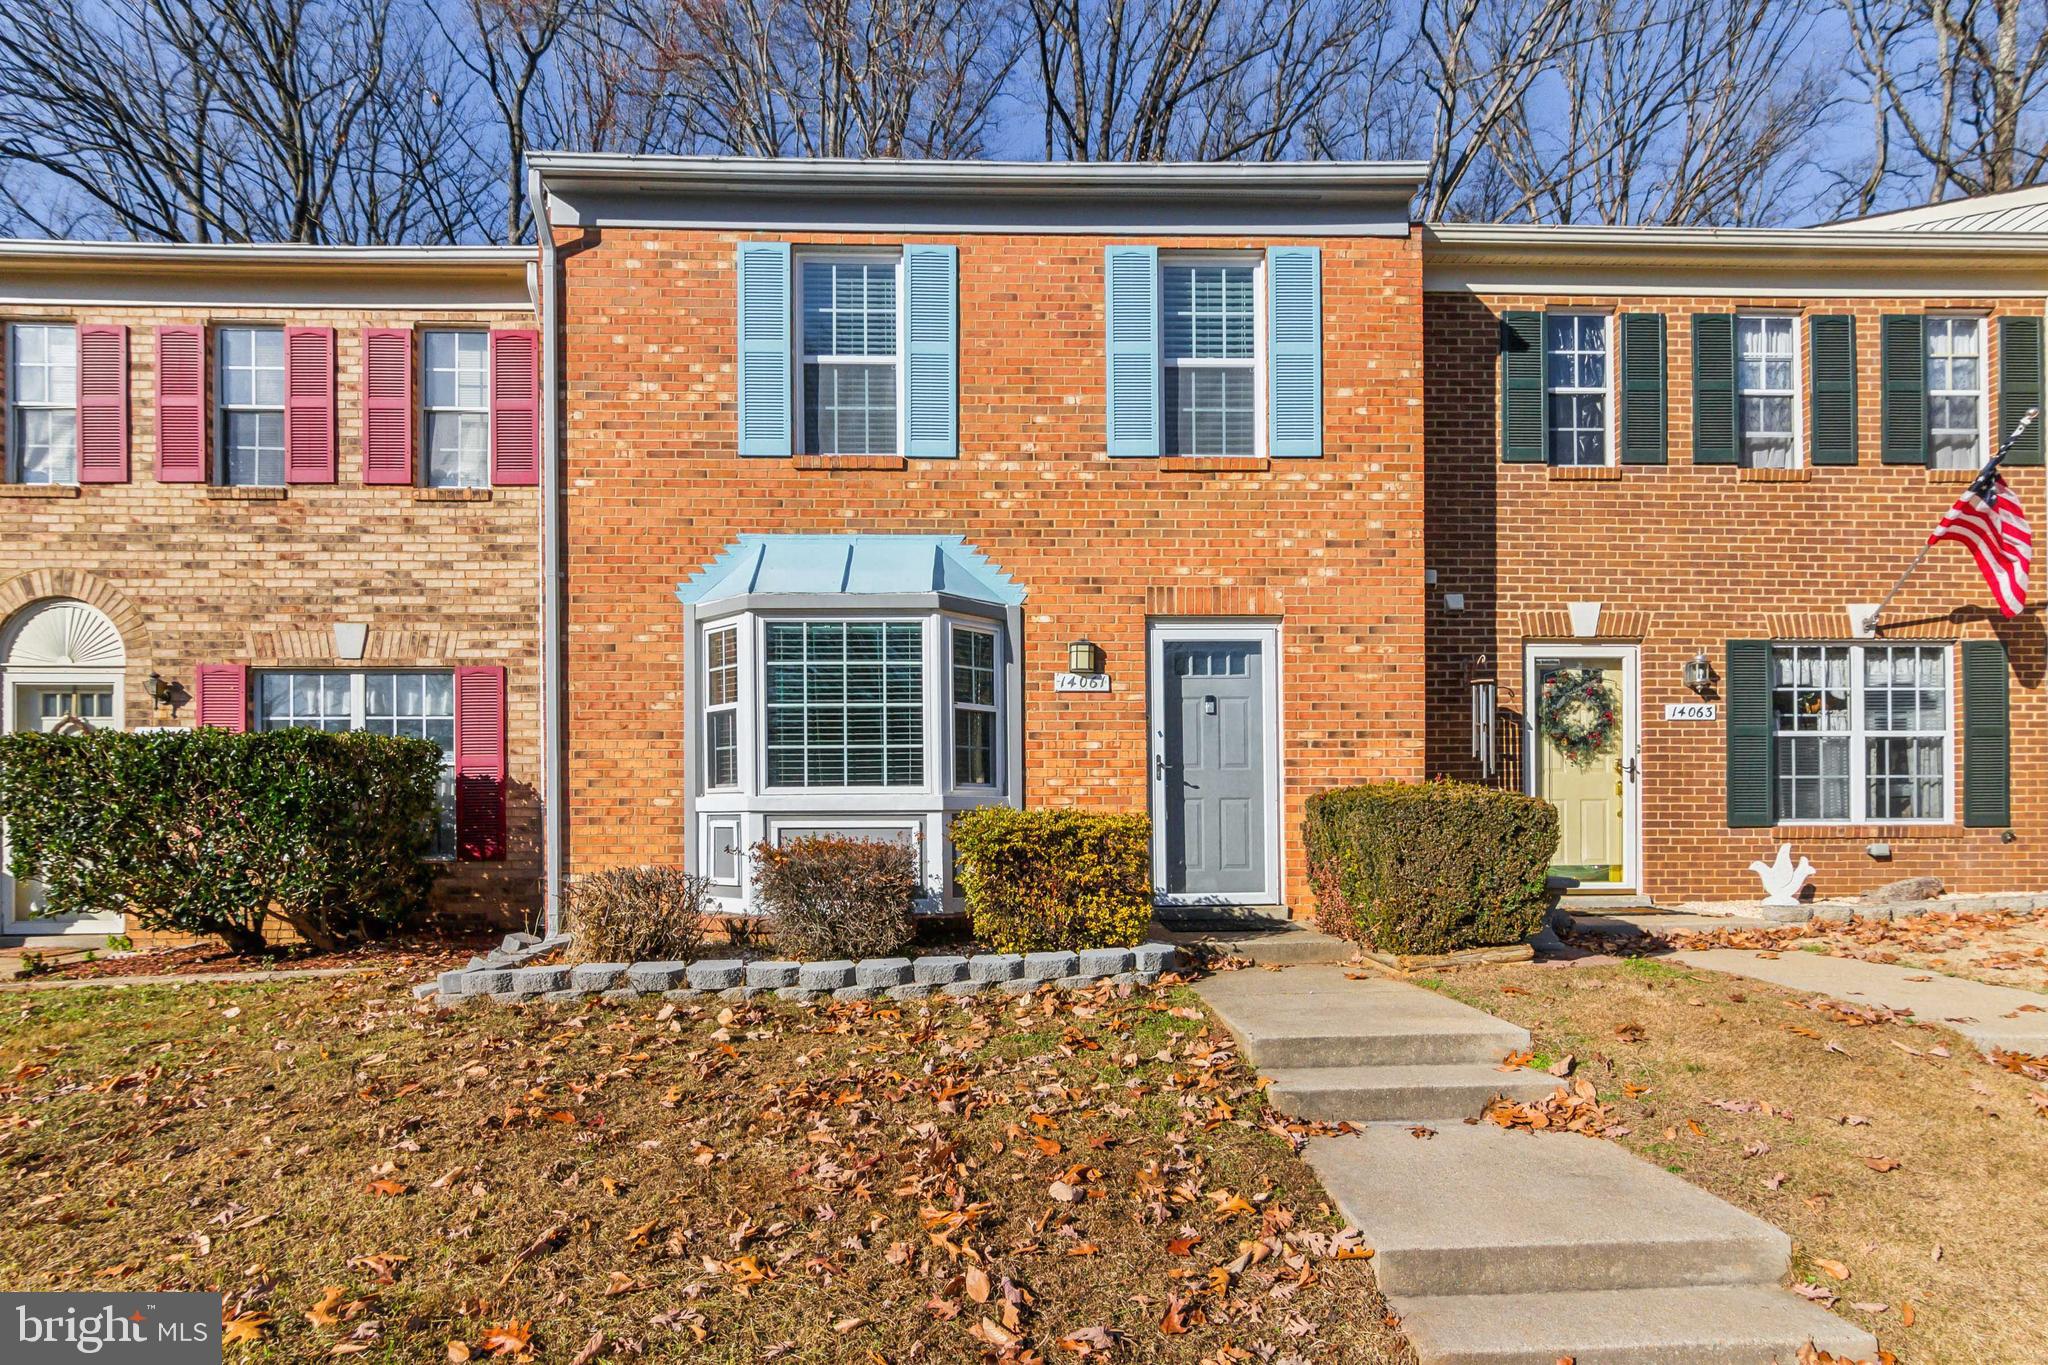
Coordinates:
x,y
1962,83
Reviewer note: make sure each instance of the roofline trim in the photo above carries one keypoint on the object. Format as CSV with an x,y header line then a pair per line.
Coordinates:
x,y
60,251
1661,245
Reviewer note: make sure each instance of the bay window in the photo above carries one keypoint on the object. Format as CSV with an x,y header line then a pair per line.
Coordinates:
x,y
412,705
974,707
721,707
845,703
1863,732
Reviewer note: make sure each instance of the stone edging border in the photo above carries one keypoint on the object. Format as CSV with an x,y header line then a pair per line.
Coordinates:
x,y
502,977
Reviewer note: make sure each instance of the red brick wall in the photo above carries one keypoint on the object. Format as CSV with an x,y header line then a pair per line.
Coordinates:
x,y
1331,547
1684,557
193,574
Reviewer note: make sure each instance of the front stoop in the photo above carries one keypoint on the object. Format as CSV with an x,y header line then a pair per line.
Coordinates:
x,y
1499,1247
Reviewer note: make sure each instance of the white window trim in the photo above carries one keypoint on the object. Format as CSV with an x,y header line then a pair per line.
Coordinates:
x,y
956,626
1260,370
736,707
755,703
427,409
1799,413
1983,390
357,712
1857,736
16,407
1607,318
865,256
221,406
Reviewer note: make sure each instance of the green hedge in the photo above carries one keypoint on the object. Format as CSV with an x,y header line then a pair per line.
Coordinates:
x,y
1055,880
203,831
1431,867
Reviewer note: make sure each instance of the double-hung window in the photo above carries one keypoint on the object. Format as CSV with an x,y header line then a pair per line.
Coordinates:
x,y
416,705
851,354
1766,377
251,386
457,409
844,703
1955,392
722,707
42,398
1575,385
1209,351
974,707
1863,732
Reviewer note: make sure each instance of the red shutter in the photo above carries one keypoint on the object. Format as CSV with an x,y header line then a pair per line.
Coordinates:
x,y
103,404
223,696
309,405
515,408
479,763
387,405
181,404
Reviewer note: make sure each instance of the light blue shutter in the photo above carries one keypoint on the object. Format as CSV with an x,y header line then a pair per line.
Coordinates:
x,y
931,312
764,349
1294,351
1131,303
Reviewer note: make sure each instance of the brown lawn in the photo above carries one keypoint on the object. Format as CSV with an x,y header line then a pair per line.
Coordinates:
x,y
1911,1174
2001,947
360,1176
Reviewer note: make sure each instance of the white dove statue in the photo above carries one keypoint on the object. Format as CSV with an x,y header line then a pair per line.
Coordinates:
x,y
1782,880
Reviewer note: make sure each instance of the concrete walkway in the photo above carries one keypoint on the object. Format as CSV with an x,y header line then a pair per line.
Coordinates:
x,y
1989,1016
1502,1247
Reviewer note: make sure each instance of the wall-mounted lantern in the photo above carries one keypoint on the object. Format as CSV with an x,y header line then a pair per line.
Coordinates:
x,y
1699,673
167,692
1084,657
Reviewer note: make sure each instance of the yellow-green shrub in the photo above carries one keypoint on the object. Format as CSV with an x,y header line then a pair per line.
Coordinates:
x,y
1055,880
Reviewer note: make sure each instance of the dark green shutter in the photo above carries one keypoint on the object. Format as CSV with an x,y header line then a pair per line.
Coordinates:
x,y
1904,376
1642,388
1713,388
2019,385
1752,772
1832,342
1987,742
1521,388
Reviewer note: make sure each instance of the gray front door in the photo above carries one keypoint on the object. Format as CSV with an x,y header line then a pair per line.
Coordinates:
x,y
1214,767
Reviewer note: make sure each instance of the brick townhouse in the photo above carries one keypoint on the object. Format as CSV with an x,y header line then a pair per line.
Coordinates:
x,y
1674,470
261,486
892,489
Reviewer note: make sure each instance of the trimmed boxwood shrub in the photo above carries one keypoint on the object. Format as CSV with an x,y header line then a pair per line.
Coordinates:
x,y
206,832
1429,867
1055,880
837,896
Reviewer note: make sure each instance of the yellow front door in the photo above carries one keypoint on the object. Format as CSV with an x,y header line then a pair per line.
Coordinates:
x,y
1583,725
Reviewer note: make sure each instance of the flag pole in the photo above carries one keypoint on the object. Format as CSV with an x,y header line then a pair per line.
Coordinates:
x,y
2027,420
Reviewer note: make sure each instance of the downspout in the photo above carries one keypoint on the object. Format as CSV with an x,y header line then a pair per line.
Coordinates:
x,y
554,822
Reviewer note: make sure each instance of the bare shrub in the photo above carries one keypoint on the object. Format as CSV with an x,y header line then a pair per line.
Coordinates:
x,y
638,914
831,896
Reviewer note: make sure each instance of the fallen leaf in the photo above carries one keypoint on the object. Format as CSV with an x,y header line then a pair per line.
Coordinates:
x,y
1833,1269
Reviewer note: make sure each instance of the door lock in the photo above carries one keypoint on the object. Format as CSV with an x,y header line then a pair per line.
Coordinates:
x,y
1631,771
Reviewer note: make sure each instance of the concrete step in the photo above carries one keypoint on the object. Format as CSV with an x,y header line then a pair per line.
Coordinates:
x,y
1478,1209
1728,1325
1374,1094
1318,1016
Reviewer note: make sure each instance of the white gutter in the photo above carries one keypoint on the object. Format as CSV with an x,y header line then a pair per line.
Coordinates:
x,y
58,251
1538,240
554,821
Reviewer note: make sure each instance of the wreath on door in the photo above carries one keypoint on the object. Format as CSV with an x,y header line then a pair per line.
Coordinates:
x,y
1577,710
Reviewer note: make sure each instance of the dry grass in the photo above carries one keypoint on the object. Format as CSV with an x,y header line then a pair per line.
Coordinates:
x,y
353,1171
1958,1230
1999,947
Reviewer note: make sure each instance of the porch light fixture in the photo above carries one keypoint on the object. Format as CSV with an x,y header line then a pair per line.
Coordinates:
x,y
1084,657
1699,672
166,692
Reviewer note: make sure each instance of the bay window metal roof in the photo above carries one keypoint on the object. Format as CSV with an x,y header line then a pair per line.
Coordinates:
x,y
758,567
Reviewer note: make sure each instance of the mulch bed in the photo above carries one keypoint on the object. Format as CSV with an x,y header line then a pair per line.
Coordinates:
x,y
419,954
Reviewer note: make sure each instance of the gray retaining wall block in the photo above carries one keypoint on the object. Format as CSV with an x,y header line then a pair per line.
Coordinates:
x,y
496,981
650,977
514,943
563,997
1049,966
798,994
716,974
825,976
682,995
427,990
597,976
1077,983
771,975
1152,957
938,969
541,979
1106,961
881,972
963,989
855,993
456,983
989,968
622,995
910,990
1020,986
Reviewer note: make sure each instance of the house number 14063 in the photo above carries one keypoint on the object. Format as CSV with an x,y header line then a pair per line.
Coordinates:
x,y
1690,710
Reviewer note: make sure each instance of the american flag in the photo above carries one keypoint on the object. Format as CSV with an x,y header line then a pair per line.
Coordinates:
x,y
1989,520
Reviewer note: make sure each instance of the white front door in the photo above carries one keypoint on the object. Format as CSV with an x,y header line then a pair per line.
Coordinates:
x,y
55,706
1584,756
